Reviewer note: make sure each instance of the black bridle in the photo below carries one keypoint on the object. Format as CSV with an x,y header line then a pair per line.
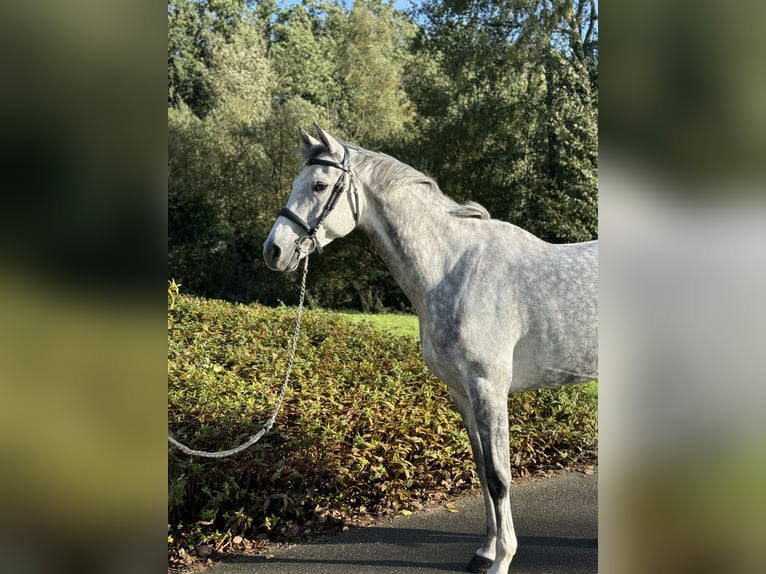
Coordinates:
x,y
332,200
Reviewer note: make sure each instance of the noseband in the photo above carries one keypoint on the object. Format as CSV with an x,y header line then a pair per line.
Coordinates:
x,y
337,190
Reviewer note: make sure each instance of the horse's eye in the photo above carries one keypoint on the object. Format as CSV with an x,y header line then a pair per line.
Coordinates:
x,y
320,186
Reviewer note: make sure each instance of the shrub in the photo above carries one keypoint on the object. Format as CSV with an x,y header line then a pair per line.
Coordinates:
x,y
364,428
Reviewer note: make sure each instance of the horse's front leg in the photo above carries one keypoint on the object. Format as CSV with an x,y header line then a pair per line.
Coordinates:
x,y
490,413
485,556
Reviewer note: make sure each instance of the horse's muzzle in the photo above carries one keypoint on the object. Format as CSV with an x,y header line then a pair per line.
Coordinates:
x,y
277,259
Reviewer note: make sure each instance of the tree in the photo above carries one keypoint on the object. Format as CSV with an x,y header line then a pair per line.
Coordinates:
x,y
372,61
304,46
192,25
507,115
219,170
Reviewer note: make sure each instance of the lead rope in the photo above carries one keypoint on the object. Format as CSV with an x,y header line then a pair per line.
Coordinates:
x,y
269,423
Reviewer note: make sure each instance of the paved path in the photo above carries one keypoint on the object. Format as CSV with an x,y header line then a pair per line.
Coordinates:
x,y
555,519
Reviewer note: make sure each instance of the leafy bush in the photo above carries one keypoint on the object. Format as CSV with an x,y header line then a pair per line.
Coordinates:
x,y
365,429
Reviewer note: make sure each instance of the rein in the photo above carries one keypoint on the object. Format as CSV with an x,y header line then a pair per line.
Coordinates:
x,y
269,423
337,191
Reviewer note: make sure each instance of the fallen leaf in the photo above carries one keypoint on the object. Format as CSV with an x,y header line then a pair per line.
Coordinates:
x,y
405,512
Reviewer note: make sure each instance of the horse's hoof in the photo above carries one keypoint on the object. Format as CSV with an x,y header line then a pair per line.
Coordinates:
x,y
479,564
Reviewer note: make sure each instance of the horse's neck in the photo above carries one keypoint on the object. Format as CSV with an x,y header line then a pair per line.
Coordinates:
x,y
412,230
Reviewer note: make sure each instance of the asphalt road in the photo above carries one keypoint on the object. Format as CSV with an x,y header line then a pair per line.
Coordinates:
x,y
555,519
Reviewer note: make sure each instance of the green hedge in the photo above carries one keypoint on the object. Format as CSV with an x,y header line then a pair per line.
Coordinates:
x,y
365,429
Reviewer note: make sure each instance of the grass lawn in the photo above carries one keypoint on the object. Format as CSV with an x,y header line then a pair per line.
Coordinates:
x,y
396,323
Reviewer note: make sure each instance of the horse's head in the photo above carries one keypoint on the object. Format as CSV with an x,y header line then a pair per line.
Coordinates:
x,y
323,205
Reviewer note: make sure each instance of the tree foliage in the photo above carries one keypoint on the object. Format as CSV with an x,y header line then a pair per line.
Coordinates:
x,y
495,100
192,27
506,110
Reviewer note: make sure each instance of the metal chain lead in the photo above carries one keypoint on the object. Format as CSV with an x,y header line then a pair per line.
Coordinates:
x,y
269,423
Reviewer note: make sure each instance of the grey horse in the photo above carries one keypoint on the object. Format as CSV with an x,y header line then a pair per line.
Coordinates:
x,y
500,310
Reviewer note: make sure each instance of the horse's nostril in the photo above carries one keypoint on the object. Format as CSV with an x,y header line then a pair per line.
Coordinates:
x,y
274,252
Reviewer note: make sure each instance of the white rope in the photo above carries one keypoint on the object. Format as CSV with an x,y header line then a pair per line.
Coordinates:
x,y
269,423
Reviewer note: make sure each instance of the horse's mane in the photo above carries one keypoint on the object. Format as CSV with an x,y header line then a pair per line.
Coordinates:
x,y
471,209
389,172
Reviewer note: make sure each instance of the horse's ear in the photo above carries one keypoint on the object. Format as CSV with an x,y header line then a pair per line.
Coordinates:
x,y
330,142
307,139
